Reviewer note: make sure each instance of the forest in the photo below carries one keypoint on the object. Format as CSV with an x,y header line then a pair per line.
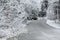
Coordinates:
x,y
15,14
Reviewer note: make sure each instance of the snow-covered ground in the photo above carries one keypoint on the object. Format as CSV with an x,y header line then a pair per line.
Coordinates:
x,y
53,23
39,30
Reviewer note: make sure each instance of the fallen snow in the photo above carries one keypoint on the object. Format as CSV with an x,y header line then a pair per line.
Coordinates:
x,y
53,23
3,39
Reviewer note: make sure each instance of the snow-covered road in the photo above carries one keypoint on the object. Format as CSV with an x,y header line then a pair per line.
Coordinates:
x,y
39,30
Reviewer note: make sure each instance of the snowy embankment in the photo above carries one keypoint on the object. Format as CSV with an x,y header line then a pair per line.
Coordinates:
x,y
53,23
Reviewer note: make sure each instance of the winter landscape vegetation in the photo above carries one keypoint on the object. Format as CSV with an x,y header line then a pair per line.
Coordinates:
x,y
29,19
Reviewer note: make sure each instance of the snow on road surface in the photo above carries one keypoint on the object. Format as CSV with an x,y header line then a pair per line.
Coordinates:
x,y
39,30
53,23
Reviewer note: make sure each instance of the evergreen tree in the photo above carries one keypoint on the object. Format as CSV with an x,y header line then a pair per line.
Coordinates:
x,y
44,7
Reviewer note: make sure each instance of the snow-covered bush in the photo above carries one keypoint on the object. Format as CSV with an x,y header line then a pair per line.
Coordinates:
x,y
31,11
11,18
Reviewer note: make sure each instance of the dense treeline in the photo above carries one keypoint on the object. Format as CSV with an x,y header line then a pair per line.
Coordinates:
x,y
53,11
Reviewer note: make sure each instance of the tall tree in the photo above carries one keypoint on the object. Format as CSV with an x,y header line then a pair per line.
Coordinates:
x,y
57,10
44,5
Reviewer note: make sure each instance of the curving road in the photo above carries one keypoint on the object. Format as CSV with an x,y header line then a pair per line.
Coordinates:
x,y
39,30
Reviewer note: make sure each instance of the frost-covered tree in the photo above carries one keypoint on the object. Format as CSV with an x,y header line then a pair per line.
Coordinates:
x,y
57,10
50,12
32,12
11,19
53,12
44,7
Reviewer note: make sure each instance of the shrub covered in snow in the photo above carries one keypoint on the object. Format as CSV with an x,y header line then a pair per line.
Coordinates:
x,y
11,18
